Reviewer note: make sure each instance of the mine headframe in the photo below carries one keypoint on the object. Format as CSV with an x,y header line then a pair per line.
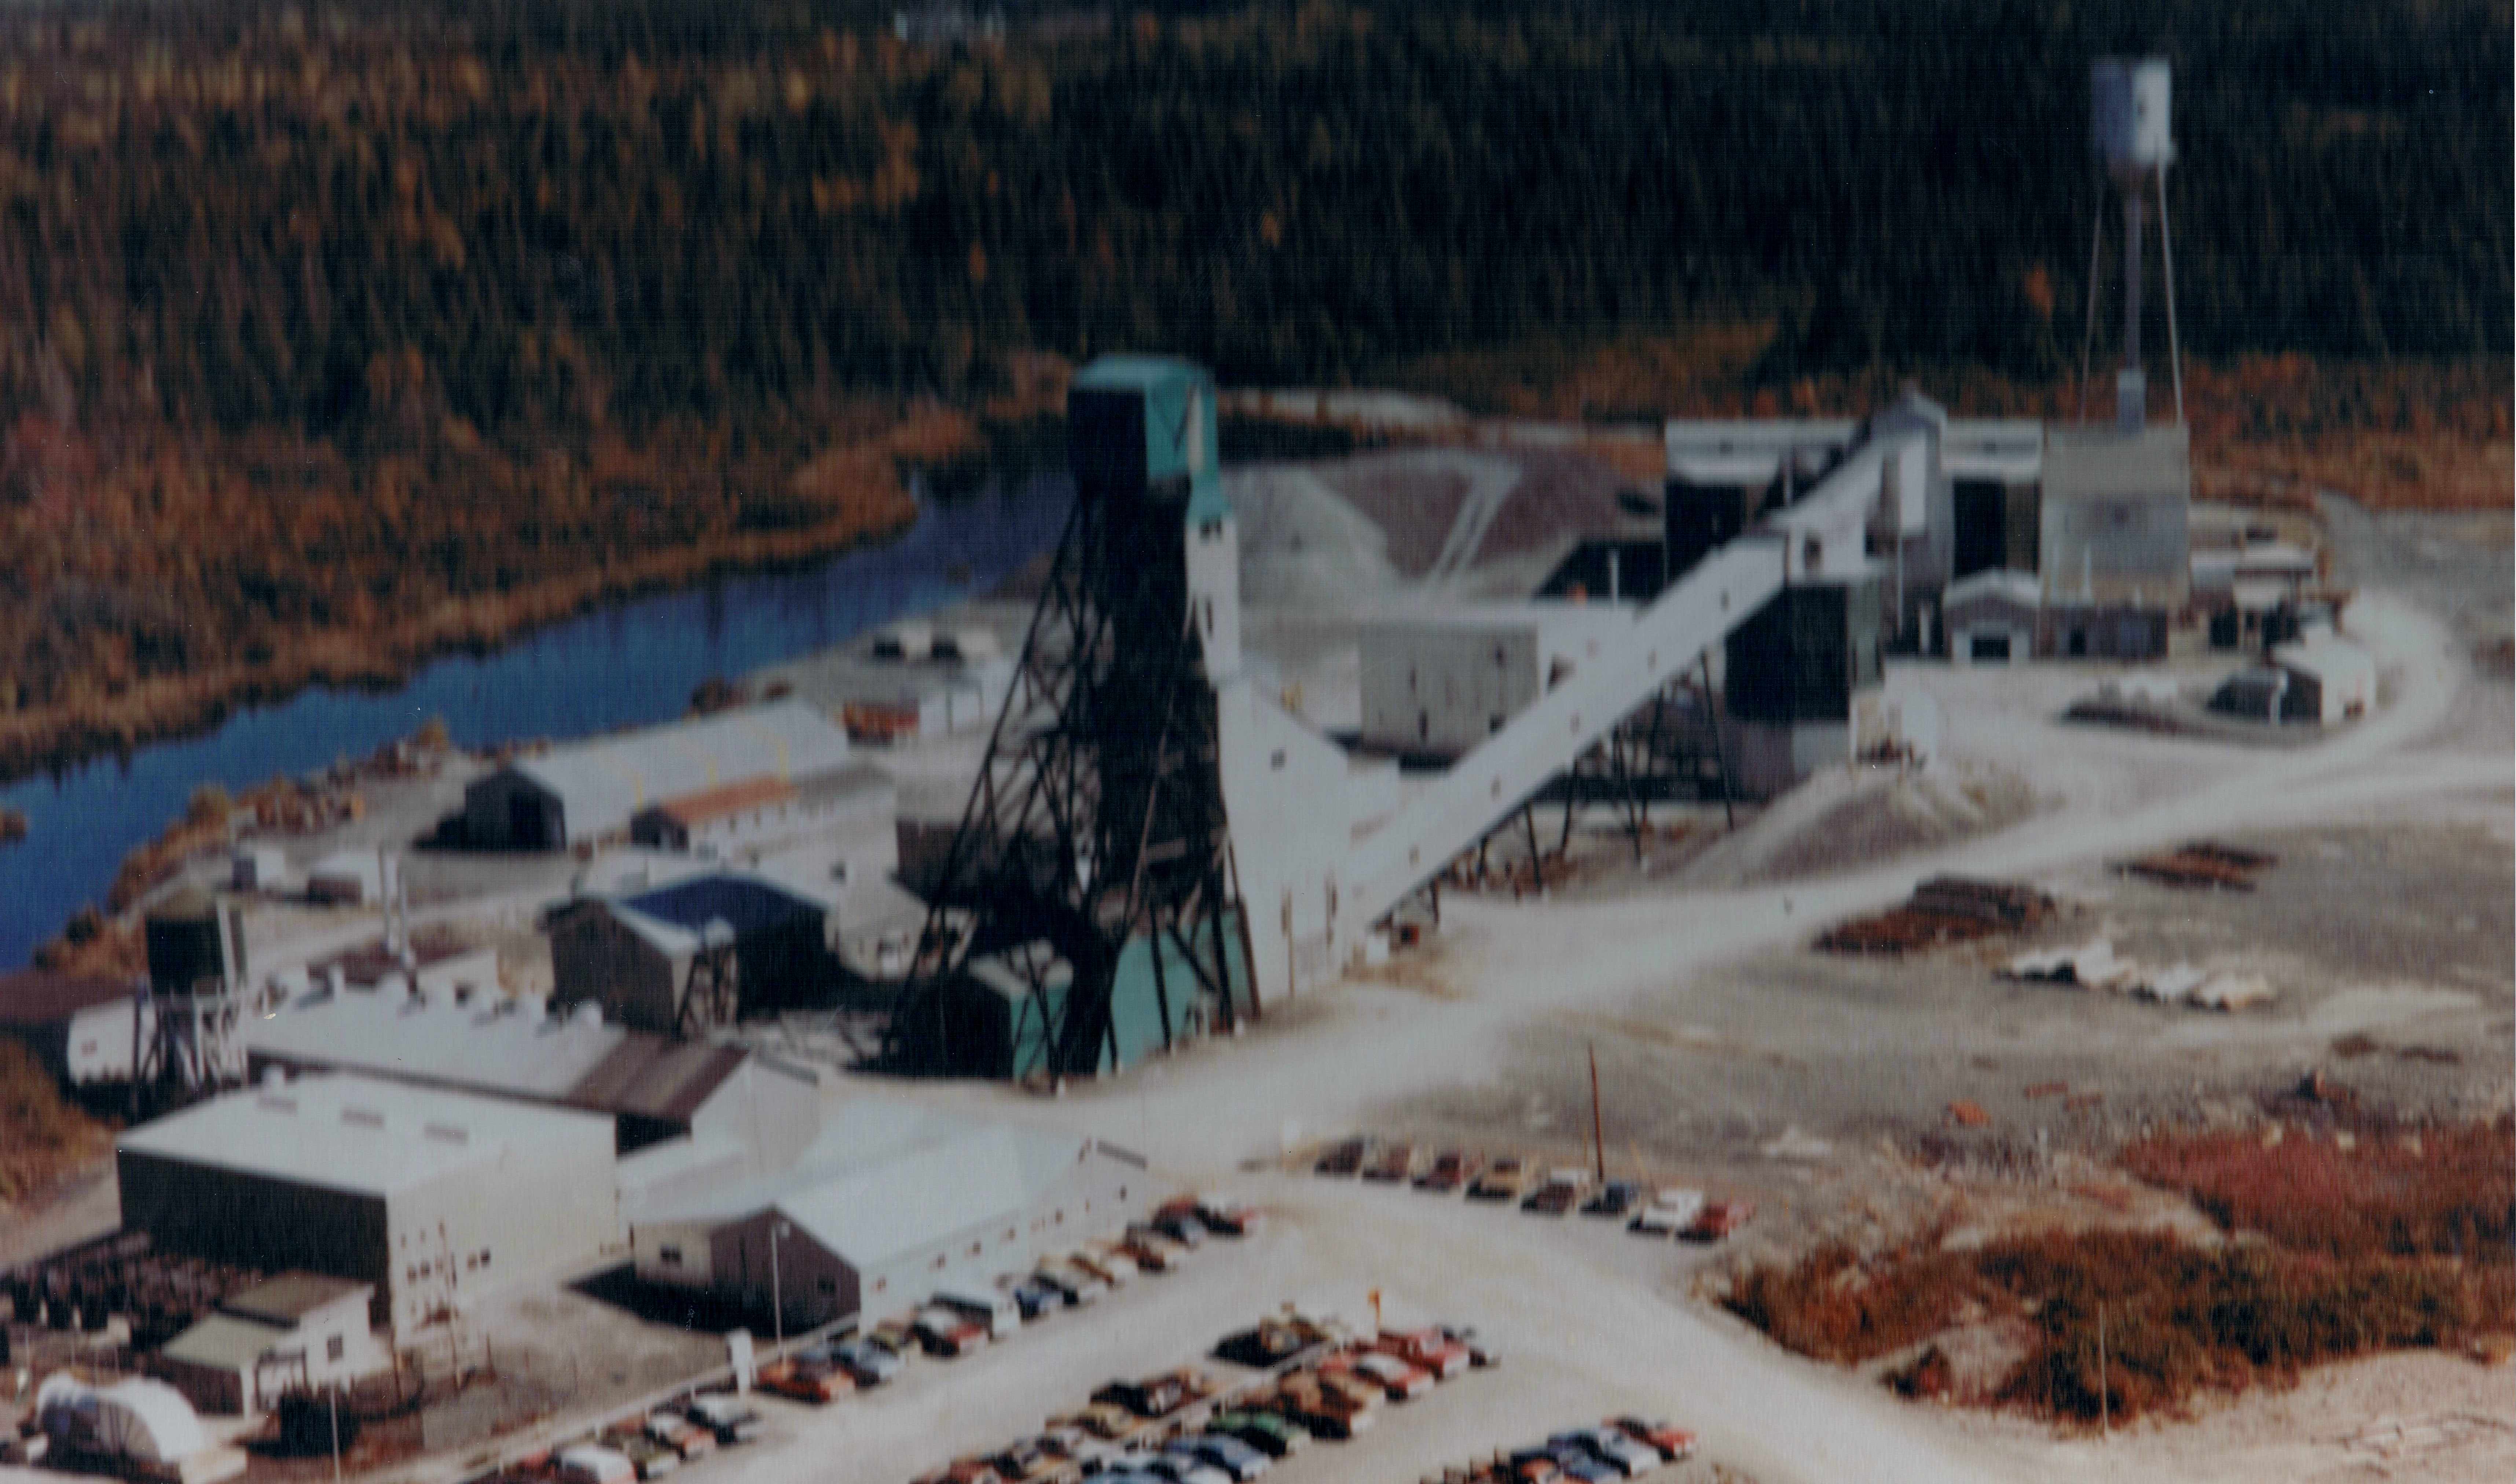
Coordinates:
x,y
1095,826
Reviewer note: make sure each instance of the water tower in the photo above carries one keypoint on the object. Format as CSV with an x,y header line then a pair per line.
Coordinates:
x,y
2128,113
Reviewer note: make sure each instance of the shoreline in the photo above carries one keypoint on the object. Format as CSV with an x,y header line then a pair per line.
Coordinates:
x,y
60,739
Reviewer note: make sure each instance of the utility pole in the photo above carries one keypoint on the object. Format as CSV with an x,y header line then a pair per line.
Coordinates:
x,y
336,1432
777,1290
1598,1133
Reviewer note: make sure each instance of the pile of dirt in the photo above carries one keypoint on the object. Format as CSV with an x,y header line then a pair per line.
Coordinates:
x,y
1841,820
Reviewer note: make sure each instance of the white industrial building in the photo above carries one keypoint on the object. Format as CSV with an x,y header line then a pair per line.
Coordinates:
x,y
686,1117
588,793
433,1199
297,1331
893,1203
1992,617
1439,681
761,815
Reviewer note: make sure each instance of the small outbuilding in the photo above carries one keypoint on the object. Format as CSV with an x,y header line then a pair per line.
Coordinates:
x,y
297,1331
1992,617
2330,680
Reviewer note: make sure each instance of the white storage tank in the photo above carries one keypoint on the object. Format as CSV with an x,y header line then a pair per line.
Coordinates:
x,y
2130,100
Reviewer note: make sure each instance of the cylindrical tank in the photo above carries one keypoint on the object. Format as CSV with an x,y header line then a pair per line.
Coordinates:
x,y
2128,100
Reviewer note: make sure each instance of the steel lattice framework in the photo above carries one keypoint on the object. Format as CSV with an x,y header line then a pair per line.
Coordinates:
x,y
1097,821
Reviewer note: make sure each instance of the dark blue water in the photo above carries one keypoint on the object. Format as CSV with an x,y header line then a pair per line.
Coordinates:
x,y
624,665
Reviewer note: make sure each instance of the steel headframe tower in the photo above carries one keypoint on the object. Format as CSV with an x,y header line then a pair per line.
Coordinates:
x,y
1094,851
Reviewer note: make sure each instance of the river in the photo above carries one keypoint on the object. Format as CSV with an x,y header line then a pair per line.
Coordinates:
x,y
626,663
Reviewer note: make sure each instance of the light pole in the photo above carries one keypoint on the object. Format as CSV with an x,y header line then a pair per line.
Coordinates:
x,y
336,1432
777,1290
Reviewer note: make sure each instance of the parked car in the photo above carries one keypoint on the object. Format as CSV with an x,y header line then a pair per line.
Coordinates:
x,y
651,1459
1150,1251
1402,1381
680,1434
946,1332
1226,1215
1104,1261
1574,1462
1670,1212
1612,1448
870,1364
1345,1157
1552,1199
1671,1442
1079,1285
1718,1220
1102,1420
962,1472
1266,1432
1229,1454
1181,1221
592,1464
1480,1354
1451,1169
1500,1181
1393,1164
1036,1297
1615,1198
895,1336
1177,1467
993,1311
800,1380
1428,1349
729,1418
1270,1342
1090,1454
1315,1411
1029,1462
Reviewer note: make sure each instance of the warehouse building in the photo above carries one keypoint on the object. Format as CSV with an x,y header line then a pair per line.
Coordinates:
x,y
589,792
685,1117
697,952
297,1331
433,1199
1993,615
1436,684
895,1204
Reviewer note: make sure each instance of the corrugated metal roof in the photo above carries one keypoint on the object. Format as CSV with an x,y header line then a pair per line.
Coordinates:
x,y
487,1048
602,783
354,1133
748,904
649,1077
224,1342
915,1199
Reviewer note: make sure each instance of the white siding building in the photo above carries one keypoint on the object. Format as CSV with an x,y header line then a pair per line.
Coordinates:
x,y
432,1198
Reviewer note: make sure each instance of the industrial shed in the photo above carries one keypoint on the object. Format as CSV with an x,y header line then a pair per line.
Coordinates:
x,y
589,792
1437,683
895,1205
993,1025
708,1114
693,953
435,1199
2329,680
297,1331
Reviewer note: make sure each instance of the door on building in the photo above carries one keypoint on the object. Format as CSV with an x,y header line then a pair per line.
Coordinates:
x,y
527,822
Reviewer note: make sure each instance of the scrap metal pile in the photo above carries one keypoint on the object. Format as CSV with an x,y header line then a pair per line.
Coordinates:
x,y
2202,863
1946,909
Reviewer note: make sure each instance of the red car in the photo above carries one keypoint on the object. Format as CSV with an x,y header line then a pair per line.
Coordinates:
x,y
1718,1220
1426,1349
1671,1443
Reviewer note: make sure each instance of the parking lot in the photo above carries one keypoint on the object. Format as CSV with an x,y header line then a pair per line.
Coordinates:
x,y
1578,1311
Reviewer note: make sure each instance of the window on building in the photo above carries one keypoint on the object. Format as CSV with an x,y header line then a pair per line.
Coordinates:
x,y
879,1284
336,1347
938,1262
672,1256
828,1285
485,1257
974,1249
